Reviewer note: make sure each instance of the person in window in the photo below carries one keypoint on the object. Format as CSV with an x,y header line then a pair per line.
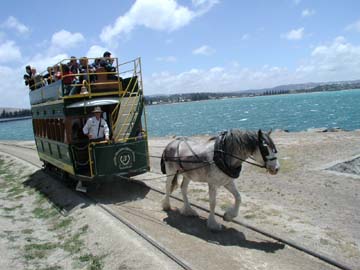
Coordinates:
x,y
96,127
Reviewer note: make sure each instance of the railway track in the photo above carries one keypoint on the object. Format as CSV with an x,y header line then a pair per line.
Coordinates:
x,y
114,212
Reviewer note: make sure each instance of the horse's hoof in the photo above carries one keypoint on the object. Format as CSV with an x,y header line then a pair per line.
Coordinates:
x,y
189,212
228,217
166,206
214,227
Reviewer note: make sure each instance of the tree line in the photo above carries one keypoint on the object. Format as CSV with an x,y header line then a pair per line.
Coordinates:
x,y
18,113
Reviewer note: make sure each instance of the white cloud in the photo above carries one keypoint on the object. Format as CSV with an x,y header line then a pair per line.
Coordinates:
x,y
216,79
339,60
15,24
308,12
160,15
9,52
336,61
41,61
65,39
96,51
13,91
355,26
295,34
203,50
169,59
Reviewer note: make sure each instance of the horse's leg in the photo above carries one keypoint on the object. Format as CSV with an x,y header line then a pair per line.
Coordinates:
x,y
233,211
211,222
169,188
186,210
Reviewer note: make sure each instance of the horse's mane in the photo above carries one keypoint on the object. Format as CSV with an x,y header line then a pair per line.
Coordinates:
x,y
247,141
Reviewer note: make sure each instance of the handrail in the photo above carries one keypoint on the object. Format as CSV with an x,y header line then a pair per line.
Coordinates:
x,y
134,106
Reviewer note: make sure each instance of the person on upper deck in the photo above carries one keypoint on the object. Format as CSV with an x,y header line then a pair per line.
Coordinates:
x,y
38,79
96,127
29,81
73,65
86,70
107,63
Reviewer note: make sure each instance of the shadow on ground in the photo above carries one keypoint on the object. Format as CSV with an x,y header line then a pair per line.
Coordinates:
x,y
63,195
196,226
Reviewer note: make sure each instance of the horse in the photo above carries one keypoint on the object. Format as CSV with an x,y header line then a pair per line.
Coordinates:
x,y
216,161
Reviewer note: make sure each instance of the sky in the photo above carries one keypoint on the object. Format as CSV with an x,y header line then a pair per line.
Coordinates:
x,y
185,45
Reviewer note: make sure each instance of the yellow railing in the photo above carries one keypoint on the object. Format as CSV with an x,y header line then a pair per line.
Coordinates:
x,y
94,87
133,89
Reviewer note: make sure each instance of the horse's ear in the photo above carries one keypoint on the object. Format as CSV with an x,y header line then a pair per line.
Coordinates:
x,y
260,134
270,131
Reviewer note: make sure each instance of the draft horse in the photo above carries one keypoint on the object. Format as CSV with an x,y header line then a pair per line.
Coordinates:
x,y
216,161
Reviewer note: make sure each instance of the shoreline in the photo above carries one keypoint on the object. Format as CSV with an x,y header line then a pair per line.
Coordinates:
x,y
14,119
281,131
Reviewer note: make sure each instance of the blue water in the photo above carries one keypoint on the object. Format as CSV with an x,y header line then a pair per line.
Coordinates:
x,y
291,112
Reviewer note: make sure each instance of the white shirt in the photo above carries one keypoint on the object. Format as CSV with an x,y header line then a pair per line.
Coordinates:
x,y
92,127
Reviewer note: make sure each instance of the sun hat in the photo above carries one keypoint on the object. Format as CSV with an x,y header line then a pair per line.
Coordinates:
x,y
97,109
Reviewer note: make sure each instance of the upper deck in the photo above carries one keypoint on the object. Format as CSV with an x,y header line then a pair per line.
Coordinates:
x,y
59,85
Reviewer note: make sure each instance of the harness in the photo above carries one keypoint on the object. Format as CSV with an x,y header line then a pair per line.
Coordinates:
x,y
220,157
185,139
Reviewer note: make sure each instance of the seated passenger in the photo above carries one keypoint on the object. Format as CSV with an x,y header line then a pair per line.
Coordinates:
x,y
68,79
85,69
107,63
73,65
49,76
29,81
38,80
96,127
57,73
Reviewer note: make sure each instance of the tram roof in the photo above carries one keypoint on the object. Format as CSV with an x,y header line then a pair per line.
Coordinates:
x,y
94,102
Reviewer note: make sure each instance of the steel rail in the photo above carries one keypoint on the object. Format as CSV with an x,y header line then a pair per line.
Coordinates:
x,y
142,234
288,242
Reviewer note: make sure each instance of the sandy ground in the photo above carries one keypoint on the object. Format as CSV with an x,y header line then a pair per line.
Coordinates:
x,y
314,200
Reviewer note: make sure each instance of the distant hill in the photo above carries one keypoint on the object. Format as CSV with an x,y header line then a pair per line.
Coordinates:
x,y
305,86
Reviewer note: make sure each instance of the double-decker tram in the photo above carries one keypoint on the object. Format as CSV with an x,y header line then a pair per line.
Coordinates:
x,y
62,102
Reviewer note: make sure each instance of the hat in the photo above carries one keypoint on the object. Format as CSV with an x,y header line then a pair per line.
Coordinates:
x,y
97,109
107,54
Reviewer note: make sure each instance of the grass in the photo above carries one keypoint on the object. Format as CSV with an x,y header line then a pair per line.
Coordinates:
x,y
38,251
74,244
44,213
9,209
59,228
93,262
62,224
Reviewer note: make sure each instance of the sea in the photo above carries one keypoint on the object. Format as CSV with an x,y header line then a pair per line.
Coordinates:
x,y
293,112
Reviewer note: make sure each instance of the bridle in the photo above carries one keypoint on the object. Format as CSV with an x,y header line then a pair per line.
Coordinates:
x,y
264,150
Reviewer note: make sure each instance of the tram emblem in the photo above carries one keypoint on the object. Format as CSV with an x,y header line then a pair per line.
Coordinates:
x,y
124,158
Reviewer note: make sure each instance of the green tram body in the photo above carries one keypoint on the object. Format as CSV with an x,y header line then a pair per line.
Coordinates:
x,y
58,121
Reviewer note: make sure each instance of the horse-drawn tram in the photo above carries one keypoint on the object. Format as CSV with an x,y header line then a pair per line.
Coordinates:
x,y
69,140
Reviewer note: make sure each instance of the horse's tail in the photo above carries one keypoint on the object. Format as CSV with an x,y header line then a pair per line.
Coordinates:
x,y
162,163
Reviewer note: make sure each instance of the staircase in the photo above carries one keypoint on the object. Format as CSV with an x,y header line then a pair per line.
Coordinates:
x,y
126,117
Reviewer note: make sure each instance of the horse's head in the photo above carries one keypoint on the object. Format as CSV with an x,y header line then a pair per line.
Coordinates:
x,y
266,153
